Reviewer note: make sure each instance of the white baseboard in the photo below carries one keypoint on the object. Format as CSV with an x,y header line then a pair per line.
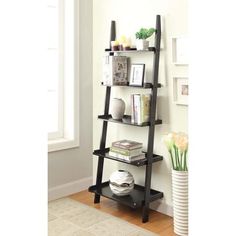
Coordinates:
x,y
69,188
162,208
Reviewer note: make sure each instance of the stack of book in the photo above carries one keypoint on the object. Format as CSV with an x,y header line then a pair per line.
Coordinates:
x,y
140,108
127,150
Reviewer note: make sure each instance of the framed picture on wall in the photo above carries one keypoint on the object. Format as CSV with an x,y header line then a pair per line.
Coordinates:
x,y
137,74
180,50
180,90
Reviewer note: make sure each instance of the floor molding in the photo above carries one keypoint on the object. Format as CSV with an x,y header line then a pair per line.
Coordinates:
x,y
162,207
69,188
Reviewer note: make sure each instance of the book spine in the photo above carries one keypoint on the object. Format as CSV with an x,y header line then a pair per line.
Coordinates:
x,y
145,107
120,151
137,111
126,152
120,156
127,148
136,158
139,120
148,106
127,144
126,158
142,108
132,108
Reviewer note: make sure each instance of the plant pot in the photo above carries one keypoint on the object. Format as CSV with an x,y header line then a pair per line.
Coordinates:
x,y
142,44
117,108
180,201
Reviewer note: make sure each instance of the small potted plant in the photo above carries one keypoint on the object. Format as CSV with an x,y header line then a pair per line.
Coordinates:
x,y
141,36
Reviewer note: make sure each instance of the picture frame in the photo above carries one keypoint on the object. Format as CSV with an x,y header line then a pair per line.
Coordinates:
x,y
180,50
180,90
137,75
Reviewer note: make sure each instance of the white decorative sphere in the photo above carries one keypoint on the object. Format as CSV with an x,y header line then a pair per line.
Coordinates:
x,y
117,108
121,182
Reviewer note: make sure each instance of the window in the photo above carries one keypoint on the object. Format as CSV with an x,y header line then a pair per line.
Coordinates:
x,y
55,69
62,86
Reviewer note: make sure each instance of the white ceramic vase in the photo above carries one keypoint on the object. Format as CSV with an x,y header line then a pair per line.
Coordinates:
x,y
121,182
117,108
142,44
180,201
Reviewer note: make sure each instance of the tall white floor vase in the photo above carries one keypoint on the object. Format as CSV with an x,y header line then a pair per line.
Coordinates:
x,y
180,201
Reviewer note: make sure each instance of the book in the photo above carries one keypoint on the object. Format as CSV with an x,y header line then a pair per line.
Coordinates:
x,y
115,70
127,158
145,107
137,111
140,108
127,144
126,152
132,108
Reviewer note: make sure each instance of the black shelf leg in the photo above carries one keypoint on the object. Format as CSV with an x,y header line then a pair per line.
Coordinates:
x,y
151,131
104,128
145,213
99,178
102,146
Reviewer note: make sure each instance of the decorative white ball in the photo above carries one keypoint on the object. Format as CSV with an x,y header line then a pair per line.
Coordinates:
x,y
121,182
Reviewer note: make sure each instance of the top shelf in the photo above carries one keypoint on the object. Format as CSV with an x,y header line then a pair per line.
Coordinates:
x,y
145,85
132,50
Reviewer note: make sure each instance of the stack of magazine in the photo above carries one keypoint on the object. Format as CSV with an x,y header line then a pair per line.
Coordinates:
x,y
127,150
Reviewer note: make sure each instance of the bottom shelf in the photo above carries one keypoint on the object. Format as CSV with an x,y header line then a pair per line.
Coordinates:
x,y
135,199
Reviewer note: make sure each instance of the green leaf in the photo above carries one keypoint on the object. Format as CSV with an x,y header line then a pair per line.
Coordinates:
x,y
144,33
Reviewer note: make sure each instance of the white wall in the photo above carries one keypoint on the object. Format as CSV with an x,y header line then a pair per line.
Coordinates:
x,y
70,170
130,16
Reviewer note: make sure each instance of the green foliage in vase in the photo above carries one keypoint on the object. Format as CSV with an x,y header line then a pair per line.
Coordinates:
x,y
144,33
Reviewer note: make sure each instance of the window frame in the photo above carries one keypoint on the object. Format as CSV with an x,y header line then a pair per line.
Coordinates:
x,y
68,136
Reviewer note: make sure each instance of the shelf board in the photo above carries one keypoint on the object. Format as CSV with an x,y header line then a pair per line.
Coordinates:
x,y
127,120
105,153
135,199
145,85
132,50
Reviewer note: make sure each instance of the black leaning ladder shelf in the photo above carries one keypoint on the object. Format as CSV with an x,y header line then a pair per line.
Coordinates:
x,y
141,196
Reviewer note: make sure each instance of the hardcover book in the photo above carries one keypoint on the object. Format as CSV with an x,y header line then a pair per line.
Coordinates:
x,y
126,152
132,108
127,144
140,108
115,70
137,109
127,158
145,107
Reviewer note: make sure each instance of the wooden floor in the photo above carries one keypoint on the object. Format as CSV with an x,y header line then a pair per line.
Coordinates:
x,y
158,223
